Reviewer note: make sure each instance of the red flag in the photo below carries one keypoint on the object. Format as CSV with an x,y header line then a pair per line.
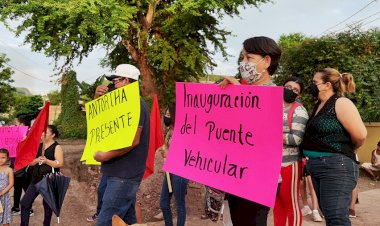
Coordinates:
x,y
156,137
27,149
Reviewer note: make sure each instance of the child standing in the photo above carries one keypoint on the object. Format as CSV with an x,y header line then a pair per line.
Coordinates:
x,y
6,183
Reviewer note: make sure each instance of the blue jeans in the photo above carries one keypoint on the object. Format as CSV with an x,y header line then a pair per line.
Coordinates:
x,y
334,177
101,189
179,186
119,199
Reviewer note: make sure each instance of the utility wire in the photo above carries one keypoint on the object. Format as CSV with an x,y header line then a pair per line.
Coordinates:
x,y
371,21
26,73
357,22
15,51
348,17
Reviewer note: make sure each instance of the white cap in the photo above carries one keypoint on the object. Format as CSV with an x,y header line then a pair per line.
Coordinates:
x,y
125,70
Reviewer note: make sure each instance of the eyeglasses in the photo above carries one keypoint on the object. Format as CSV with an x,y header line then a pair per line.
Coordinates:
x,y
116,80
315,83
295,90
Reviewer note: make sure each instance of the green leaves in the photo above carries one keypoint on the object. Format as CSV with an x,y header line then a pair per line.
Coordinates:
x,y
169,40
71,121
354,51
27,107
69,28
6,90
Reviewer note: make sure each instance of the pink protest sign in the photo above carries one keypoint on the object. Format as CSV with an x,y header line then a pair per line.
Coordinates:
x,y
229,139
10,136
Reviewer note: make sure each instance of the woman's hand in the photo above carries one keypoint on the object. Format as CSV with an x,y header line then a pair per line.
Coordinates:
x,y
228,80
42,160
100,91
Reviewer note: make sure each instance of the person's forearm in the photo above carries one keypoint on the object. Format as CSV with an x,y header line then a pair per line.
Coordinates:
x,y
116,153
54,163
33,163
291,139
6,189
358,143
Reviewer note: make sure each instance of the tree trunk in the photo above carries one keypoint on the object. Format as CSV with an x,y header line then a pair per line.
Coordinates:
x,y
148,87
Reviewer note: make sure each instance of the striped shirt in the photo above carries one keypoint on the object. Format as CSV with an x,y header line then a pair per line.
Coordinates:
x,y
293,138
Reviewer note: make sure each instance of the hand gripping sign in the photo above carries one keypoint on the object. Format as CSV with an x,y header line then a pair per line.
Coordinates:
x,y
229,139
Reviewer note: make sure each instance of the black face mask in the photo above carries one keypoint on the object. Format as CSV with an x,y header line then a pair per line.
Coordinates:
x,y
167,121
314,91
289,95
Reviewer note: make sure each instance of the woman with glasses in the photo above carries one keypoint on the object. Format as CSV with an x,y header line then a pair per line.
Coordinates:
x,y
333,135
287,206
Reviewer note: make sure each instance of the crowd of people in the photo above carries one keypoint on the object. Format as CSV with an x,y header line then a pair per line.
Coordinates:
x,y
322,147
49,159
319,150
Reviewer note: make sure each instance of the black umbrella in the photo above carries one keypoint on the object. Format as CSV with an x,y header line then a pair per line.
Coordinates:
x,y
53,188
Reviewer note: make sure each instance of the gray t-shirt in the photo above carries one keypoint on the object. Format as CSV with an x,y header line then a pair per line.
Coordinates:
x,y
132,165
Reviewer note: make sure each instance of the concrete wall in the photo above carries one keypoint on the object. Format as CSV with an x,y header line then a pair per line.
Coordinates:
x,y
373,129
54,112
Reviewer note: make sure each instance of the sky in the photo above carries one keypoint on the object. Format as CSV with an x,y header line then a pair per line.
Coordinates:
x,y
310,17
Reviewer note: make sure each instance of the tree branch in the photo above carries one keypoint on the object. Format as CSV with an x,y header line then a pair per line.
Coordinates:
x,y
132,50
151,10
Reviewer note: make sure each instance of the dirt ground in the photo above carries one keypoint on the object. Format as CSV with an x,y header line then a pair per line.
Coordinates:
x,y
80,201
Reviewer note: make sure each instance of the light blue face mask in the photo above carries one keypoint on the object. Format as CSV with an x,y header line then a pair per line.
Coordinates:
x,y
248,71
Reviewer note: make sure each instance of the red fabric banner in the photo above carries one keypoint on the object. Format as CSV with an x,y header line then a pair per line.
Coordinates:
x,y
27,149
156,137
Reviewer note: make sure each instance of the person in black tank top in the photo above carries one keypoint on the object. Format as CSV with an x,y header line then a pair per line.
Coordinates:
x,y
333,134
49,156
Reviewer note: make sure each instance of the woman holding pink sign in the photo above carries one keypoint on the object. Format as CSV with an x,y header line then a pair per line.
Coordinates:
x,y
260,57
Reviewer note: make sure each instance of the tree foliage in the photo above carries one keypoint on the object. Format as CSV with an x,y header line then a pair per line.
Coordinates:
x,y
54,97
27,107
87,91
167,40
72,121
354,51
6,90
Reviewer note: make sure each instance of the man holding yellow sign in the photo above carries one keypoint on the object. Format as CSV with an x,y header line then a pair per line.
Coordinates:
x,y
124,167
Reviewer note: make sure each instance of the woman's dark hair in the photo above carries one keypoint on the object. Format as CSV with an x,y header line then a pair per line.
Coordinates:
x,y
171,109
23,121
5,151
264,46
53,130
297,80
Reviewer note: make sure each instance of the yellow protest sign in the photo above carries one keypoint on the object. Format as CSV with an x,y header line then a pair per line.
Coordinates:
x,y
112,121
